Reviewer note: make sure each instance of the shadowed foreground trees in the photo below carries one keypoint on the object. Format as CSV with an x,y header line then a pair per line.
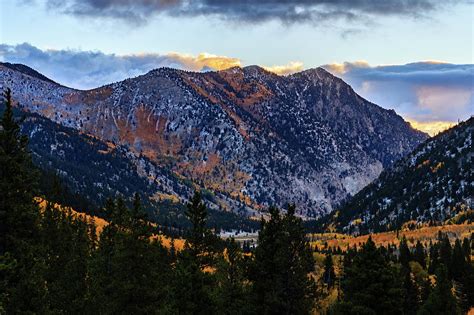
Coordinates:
x,y
20,263
281,269
370,284
54,262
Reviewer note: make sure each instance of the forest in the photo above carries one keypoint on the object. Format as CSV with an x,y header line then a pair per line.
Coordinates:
x,y
53,262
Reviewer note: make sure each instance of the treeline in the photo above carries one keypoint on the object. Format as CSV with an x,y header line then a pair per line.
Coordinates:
x,y
436,279
53,262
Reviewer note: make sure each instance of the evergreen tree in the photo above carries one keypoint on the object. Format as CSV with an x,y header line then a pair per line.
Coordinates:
x,y
445,252
434,258
21,276
441,300
458,261
200,242
466,247
405,254
193,285
467,286
370,285
232,292
283,261
129,273
463,275
411,298
419,254
138,220
67,246
329,276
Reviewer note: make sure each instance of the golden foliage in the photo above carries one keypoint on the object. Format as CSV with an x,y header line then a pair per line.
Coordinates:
x,y
423,234
101,224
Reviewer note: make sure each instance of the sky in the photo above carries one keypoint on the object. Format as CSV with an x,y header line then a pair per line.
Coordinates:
x,y
414,56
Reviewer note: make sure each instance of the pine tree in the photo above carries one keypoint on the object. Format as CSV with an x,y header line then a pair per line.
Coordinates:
x,y
232,291
458,261
138,222
283,261
21,279
411,299
463,276
441,300
65,240
370,285
434,258
419,254
445,252
200,242
329,276
405,254
467,286
192,284
466,247
129,273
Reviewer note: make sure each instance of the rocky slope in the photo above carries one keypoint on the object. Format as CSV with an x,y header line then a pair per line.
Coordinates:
x,y
251,135
433,184
94,170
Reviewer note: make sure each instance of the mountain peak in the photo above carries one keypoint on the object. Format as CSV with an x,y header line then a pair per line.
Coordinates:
x,y
317,72
27,70
255,68
252,70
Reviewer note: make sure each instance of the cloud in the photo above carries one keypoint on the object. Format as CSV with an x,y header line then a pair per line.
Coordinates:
x,y
432,127
90,69
204,61
287,11
426,92
291,67
342,68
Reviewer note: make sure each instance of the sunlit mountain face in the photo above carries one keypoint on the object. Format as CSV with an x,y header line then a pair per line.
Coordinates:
x,y
244,134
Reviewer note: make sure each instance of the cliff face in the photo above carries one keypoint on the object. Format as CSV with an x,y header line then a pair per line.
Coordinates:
x,y
245,133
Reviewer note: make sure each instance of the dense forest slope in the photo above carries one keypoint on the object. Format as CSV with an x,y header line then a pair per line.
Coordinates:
x,y
435,183
90,170
257,137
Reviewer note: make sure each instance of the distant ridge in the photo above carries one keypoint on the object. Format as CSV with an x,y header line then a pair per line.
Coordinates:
x,y
27,70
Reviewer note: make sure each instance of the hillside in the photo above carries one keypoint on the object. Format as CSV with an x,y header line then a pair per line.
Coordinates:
x,y
433,184
422,234
92,170
99,224
244,133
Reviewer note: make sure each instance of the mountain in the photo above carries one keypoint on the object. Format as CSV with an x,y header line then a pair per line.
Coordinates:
x,y
245,133
27,70
91,170
435,183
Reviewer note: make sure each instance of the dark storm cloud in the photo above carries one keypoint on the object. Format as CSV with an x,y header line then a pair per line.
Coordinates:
x,y
254,11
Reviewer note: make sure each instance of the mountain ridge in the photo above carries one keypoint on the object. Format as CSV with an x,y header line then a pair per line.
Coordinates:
x,y
264,139
433,184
